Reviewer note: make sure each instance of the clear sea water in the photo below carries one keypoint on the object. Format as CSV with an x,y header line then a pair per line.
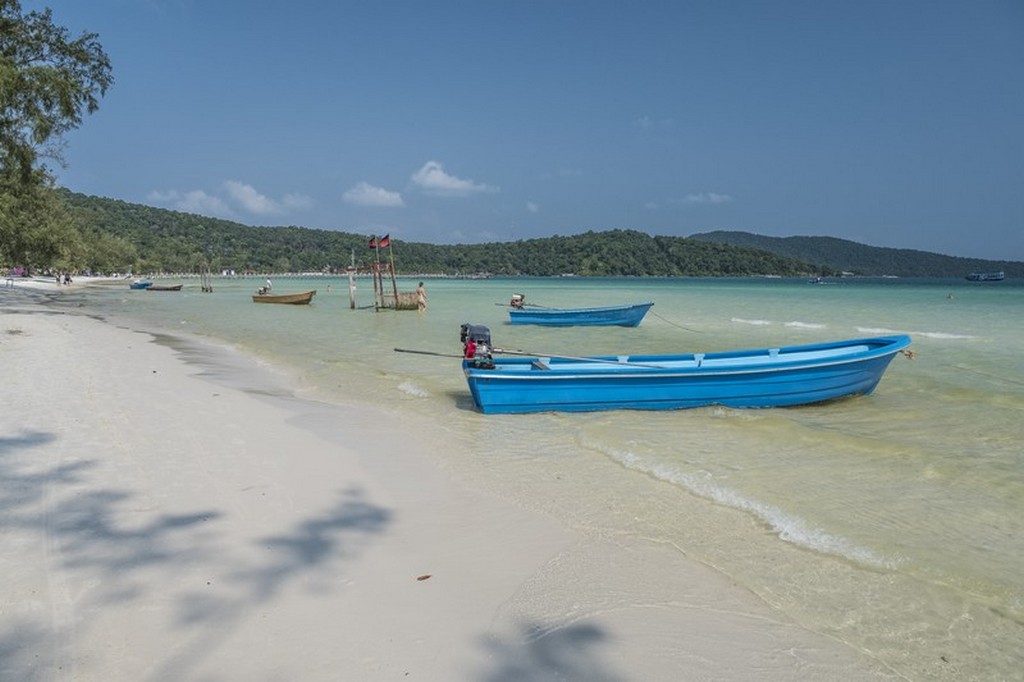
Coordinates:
x,y
893,522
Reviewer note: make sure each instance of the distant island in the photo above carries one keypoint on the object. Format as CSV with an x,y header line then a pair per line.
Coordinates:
x,y
132,237
843,256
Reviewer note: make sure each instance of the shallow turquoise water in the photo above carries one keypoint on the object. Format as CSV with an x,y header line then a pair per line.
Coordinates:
x,y
894,522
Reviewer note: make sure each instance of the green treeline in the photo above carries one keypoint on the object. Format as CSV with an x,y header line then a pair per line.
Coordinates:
x,y
124,236
834,256
117,236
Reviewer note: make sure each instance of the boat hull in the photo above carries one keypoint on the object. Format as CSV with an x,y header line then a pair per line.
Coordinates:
x,y
301,298
782,377
606,316
141,284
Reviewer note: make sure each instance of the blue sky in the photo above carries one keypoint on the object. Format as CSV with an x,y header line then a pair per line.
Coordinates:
x,y
893,123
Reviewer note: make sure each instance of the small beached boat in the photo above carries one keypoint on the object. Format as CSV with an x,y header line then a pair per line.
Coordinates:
x,y
140,284
986,276
628,315
300,298
157,287
767,377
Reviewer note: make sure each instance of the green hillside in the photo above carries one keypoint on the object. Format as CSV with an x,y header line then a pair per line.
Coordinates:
x,y
124,236
840,255
146,239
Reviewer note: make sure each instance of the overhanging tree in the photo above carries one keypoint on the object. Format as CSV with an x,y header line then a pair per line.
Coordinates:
x,y
48,82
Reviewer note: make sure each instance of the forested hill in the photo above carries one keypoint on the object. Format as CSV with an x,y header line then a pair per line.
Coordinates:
x,y
841,255
143,239
122,236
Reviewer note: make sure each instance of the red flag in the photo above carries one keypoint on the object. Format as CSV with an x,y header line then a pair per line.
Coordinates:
x,y
385,241
373,242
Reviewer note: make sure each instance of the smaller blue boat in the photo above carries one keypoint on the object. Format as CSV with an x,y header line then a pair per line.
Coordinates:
x,y
140,284
629,315
766,377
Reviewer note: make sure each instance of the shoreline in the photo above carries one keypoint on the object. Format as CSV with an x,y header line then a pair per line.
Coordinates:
x,y
183,513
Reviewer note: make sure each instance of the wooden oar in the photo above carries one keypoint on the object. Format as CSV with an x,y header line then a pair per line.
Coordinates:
x,y
505,351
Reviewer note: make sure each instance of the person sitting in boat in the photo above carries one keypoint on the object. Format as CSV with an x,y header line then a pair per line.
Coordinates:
x,y
262,290
517,300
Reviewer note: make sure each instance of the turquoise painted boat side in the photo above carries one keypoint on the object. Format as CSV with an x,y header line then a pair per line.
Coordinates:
x,y
769,377
629,315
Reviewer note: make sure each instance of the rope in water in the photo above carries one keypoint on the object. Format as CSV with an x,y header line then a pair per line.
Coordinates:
x,y
670,322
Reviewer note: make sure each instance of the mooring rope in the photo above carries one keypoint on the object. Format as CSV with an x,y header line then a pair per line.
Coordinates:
x,y
695,331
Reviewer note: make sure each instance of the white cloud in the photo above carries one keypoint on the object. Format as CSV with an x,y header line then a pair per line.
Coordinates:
x,y
433,179
365,194
707,198
196,201
162,197
250,200
235,195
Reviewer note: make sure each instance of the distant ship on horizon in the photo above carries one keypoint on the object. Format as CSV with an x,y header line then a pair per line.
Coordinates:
x,y
986,276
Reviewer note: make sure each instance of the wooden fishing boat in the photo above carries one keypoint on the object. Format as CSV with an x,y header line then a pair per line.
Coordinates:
x,y
300,298
628,315
159,287
140,284
768,377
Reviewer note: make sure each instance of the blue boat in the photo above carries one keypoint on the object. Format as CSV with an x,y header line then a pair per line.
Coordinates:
x,y
628,315
769,377
140,284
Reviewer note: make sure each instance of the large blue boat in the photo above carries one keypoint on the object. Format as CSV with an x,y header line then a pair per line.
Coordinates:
x,y
629,315
769,377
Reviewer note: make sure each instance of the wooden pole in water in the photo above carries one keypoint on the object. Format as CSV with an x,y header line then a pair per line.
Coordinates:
x,y
394,282
352,289
378,277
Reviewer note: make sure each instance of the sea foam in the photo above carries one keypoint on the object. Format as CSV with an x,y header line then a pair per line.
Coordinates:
x,y
412,389
786,526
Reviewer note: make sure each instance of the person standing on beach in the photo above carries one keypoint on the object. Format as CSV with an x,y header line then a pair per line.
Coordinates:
x,y
421,297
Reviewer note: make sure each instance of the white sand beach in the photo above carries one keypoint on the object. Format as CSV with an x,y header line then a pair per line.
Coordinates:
x,y
177,511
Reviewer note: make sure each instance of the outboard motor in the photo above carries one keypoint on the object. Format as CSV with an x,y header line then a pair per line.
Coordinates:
x,y
476,345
